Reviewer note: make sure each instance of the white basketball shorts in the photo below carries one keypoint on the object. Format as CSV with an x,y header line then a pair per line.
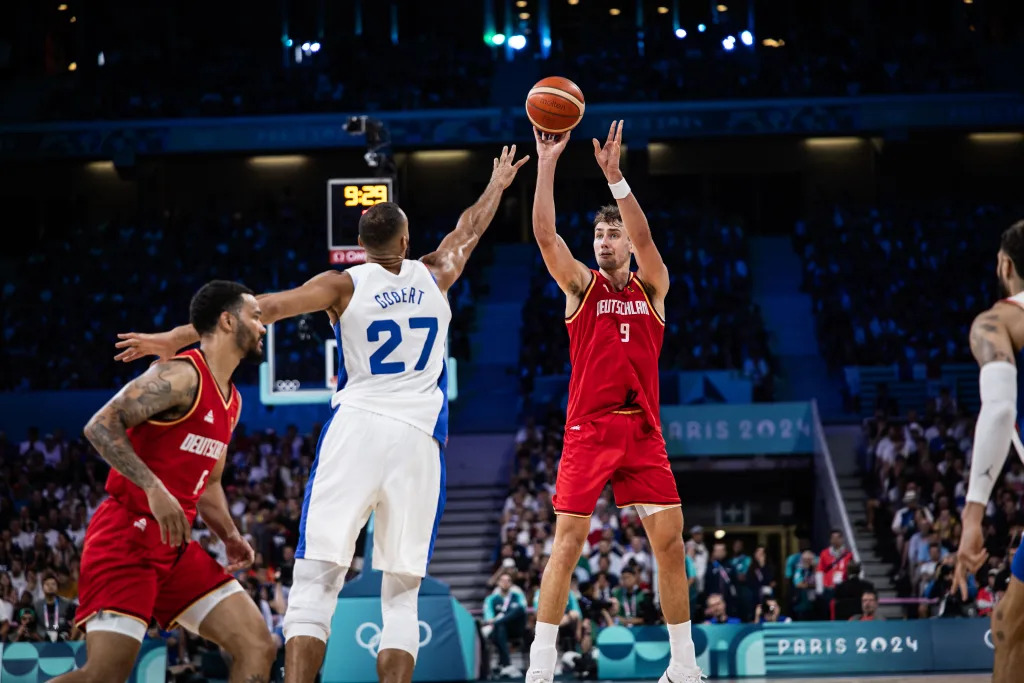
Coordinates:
x,y
367,462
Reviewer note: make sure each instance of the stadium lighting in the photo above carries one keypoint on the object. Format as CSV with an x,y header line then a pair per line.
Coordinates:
x,y
517,42
729,42
314,47
305,47
680,33
524,15
702,28
614,11
747,38
498,39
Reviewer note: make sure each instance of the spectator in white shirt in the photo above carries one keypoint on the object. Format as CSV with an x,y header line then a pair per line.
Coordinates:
x,y
32,443
637,553
699,554
892,445
529,432
52,450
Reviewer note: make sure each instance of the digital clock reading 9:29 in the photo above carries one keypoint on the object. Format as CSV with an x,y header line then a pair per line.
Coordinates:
x,y
365,195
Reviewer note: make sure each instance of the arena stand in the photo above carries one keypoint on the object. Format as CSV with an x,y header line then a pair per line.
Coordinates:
x,y
273,248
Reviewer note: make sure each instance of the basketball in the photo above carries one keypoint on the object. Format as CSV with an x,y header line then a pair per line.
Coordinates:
x,y
555,105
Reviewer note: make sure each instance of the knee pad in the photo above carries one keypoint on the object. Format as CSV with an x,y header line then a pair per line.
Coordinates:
x,y
313,598
399,598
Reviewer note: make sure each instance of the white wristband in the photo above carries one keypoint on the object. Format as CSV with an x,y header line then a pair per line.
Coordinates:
x,y
620,190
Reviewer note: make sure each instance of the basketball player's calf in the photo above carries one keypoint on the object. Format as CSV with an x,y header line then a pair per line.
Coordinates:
x,y
110,655
664,527
311,605
1008,633
570,534
237,626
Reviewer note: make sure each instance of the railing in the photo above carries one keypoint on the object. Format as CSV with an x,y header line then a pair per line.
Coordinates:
x,y
827,484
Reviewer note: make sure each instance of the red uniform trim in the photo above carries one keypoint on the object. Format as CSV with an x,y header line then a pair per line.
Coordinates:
x,y
583,299
643,290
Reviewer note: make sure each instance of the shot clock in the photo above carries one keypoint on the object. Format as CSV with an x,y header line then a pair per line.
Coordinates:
x,y
347,200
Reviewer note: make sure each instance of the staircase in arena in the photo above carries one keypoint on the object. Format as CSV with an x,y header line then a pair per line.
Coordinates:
x,y
842,444
489,384
788,314
467,540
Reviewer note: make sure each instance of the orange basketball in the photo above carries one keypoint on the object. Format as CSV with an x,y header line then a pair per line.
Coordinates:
x,y
555,105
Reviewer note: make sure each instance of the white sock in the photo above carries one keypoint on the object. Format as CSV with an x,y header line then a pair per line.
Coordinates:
x,y
684,656
542,652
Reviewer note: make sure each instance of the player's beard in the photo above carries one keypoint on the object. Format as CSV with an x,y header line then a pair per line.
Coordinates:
x,y
249,342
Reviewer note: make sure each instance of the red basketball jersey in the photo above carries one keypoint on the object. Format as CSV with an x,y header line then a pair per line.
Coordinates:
x,y
614,341
182,452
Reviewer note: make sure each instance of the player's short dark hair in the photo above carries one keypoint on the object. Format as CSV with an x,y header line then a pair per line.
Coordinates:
x,y
211,300
608,214
380,224
49,575
1012,244
870,592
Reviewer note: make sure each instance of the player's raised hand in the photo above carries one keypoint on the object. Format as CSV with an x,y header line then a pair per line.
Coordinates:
x,y
240,553
504,169
608,155
550,145
174,527
139,345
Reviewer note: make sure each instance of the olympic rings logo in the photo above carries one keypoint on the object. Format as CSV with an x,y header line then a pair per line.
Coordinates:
x,y
368,636
287,385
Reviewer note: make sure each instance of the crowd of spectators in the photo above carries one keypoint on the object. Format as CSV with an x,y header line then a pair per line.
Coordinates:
x,y
710,319
145,270
52,484
917,471
615,581
442,61
875,273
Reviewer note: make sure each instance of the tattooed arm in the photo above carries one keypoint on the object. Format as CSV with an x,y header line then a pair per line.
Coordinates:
x,y
166,389
993,348
990,339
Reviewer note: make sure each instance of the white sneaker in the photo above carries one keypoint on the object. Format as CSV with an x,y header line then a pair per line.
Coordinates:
x,y
539,676
696,676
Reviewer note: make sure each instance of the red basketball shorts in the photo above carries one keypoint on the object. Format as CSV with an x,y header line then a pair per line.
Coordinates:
x,y
622,448
127,570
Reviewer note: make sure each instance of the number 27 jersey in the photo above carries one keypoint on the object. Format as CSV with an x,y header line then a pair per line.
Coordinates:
x,y
391,347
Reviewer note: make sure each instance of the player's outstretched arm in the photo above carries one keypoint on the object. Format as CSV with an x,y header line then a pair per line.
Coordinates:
x,y
571,275
449,260
164,387
213,507
652,268
993,434
320,293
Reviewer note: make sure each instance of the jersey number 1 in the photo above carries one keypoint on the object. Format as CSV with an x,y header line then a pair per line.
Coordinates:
x,y
378,364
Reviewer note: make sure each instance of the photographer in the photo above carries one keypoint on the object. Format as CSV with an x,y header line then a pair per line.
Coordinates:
x,y
769,612
26,631
943,589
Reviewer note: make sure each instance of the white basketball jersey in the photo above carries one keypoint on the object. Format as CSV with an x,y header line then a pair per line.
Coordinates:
x,y
391,347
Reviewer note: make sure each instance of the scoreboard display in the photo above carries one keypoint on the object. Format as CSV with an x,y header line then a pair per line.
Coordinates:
x,y
347,200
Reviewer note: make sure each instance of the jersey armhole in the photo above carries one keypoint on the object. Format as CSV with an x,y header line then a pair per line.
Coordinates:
x,y
647,295
195,401
583,299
